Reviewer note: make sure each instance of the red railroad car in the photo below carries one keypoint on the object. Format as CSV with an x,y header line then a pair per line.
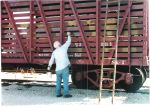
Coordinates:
x,y
29,29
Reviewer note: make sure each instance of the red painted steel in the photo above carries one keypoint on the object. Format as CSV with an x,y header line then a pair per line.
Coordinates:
x,y
61,21
145,30
121,27
85,17
98,30
42,22
125,17
81,30
10,14
39,3
31,31
129,37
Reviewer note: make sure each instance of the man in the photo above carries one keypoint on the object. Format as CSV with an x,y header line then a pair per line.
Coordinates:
x,y
61,59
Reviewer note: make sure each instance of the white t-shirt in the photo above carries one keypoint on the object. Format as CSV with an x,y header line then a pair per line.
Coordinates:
x,y
60,56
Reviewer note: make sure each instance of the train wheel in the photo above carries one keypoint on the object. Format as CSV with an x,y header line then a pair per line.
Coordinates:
x,y
138,79
85,77
145,71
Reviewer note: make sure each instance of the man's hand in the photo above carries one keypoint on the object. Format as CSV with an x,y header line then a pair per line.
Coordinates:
x,y
68,33
48,68
69,65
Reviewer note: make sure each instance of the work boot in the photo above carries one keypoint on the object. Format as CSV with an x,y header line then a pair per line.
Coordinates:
x,y
59,95
67,96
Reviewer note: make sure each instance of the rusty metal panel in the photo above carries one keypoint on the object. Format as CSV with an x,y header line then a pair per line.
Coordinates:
x,y
30,28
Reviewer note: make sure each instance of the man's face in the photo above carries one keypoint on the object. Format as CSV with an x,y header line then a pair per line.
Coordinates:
x,y
57,44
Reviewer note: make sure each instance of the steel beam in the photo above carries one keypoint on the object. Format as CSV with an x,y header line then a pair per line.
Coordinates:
x,y
124,18
39,3
129,36
145,31
81,30
12,21
61,21
31,31
98,30
122,25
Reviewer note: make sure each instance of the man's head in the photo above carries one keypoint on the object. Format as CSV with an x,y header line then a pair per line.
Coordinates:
x,y
57,44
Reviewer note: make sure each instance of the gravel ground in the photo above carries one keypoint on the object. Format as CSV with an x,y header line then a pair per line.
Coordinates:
x,y
44,94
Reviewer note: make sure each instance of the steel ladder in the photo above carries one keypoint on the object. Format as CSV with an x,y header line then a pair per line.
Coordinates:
x,y
113,48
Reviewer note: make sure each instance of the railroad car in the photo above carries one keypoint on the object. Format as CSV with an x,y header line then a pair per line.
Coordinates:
x,y
29,28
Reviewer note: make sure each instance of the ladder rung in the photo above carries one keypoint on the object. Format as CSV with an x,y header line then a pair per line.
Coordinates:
x,y
109,29
110,79
113,10
110,58
109,2
111,48
108,68
107,89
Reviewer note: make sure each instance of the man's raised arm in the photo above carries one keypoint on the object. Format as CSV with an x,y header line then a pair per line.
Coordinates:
x,y
68,42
